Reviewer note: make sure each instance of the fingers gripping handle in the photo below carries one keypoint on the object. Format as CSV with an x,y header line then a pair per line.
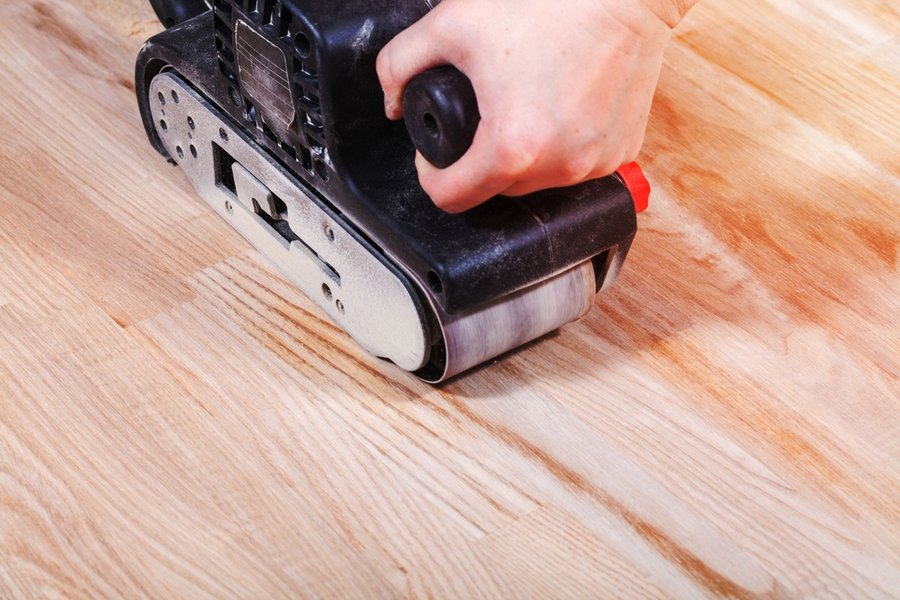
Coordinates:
x,y
441,114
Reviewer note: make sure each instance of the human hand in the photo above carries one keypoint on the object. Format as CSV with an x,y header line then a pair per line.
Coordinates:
x,y
564,89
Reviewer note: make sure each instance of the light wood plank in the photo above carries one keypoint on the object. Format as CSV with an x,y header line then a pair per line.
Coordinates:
x,y
178,421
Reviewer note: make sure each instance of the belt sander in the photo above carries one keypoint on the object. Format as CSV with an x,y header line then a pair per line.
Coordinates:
x,y
274,111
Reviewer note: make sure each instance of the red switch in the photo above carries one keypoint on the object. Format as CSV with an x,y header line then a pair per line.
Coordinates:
x,y
633,178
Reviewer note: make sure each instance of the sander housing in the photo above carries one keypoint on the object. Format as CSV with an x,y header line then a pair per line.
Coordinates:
x,y
274,111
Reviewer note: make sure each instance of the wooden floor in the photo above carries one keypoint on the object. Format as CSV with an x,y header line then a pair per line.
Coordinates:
x,y
175,420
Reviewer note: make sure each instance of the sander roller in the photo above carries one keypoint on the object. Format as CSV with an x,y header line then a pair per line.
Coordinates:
x,y
273,110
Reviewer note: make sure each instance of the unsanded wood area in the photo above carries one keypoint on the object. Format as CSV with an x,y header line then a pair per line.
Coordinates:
x,y
177,421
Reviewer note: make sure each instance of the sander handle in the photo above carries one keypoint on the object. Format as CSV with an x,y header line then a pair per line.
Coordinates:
x,y
441,114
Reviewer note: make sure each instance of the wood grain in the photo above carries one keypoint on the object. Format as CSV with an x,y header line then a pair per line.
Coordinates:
x,y
177,421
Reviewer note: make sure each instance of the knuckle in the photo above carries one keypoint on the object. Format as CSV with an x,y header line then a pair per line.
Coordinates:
x,y
452,207
385,67
615,158
437,192
443,25
578,168
446,201
450,194
608,167
520,149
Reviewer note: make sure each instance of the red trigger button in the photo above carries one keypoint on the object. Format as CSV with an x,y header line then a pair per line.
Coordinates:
x,y
633,178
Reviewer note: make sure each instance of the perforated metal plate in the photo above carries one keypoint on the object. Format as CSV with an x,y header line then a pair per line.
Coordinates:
x,y
337,269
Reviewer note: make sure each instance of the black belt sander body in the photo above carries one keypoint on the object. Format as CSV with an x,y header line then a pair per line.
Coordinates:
x,y
274,111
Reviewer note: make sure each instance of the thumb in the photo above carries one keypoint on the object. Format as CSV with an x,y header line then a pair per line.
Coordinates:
x,y
416,49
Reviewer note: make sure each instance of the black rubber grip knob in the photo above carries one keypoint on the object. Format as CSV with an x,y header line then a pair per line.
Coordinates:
x,y
441,114
174,12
